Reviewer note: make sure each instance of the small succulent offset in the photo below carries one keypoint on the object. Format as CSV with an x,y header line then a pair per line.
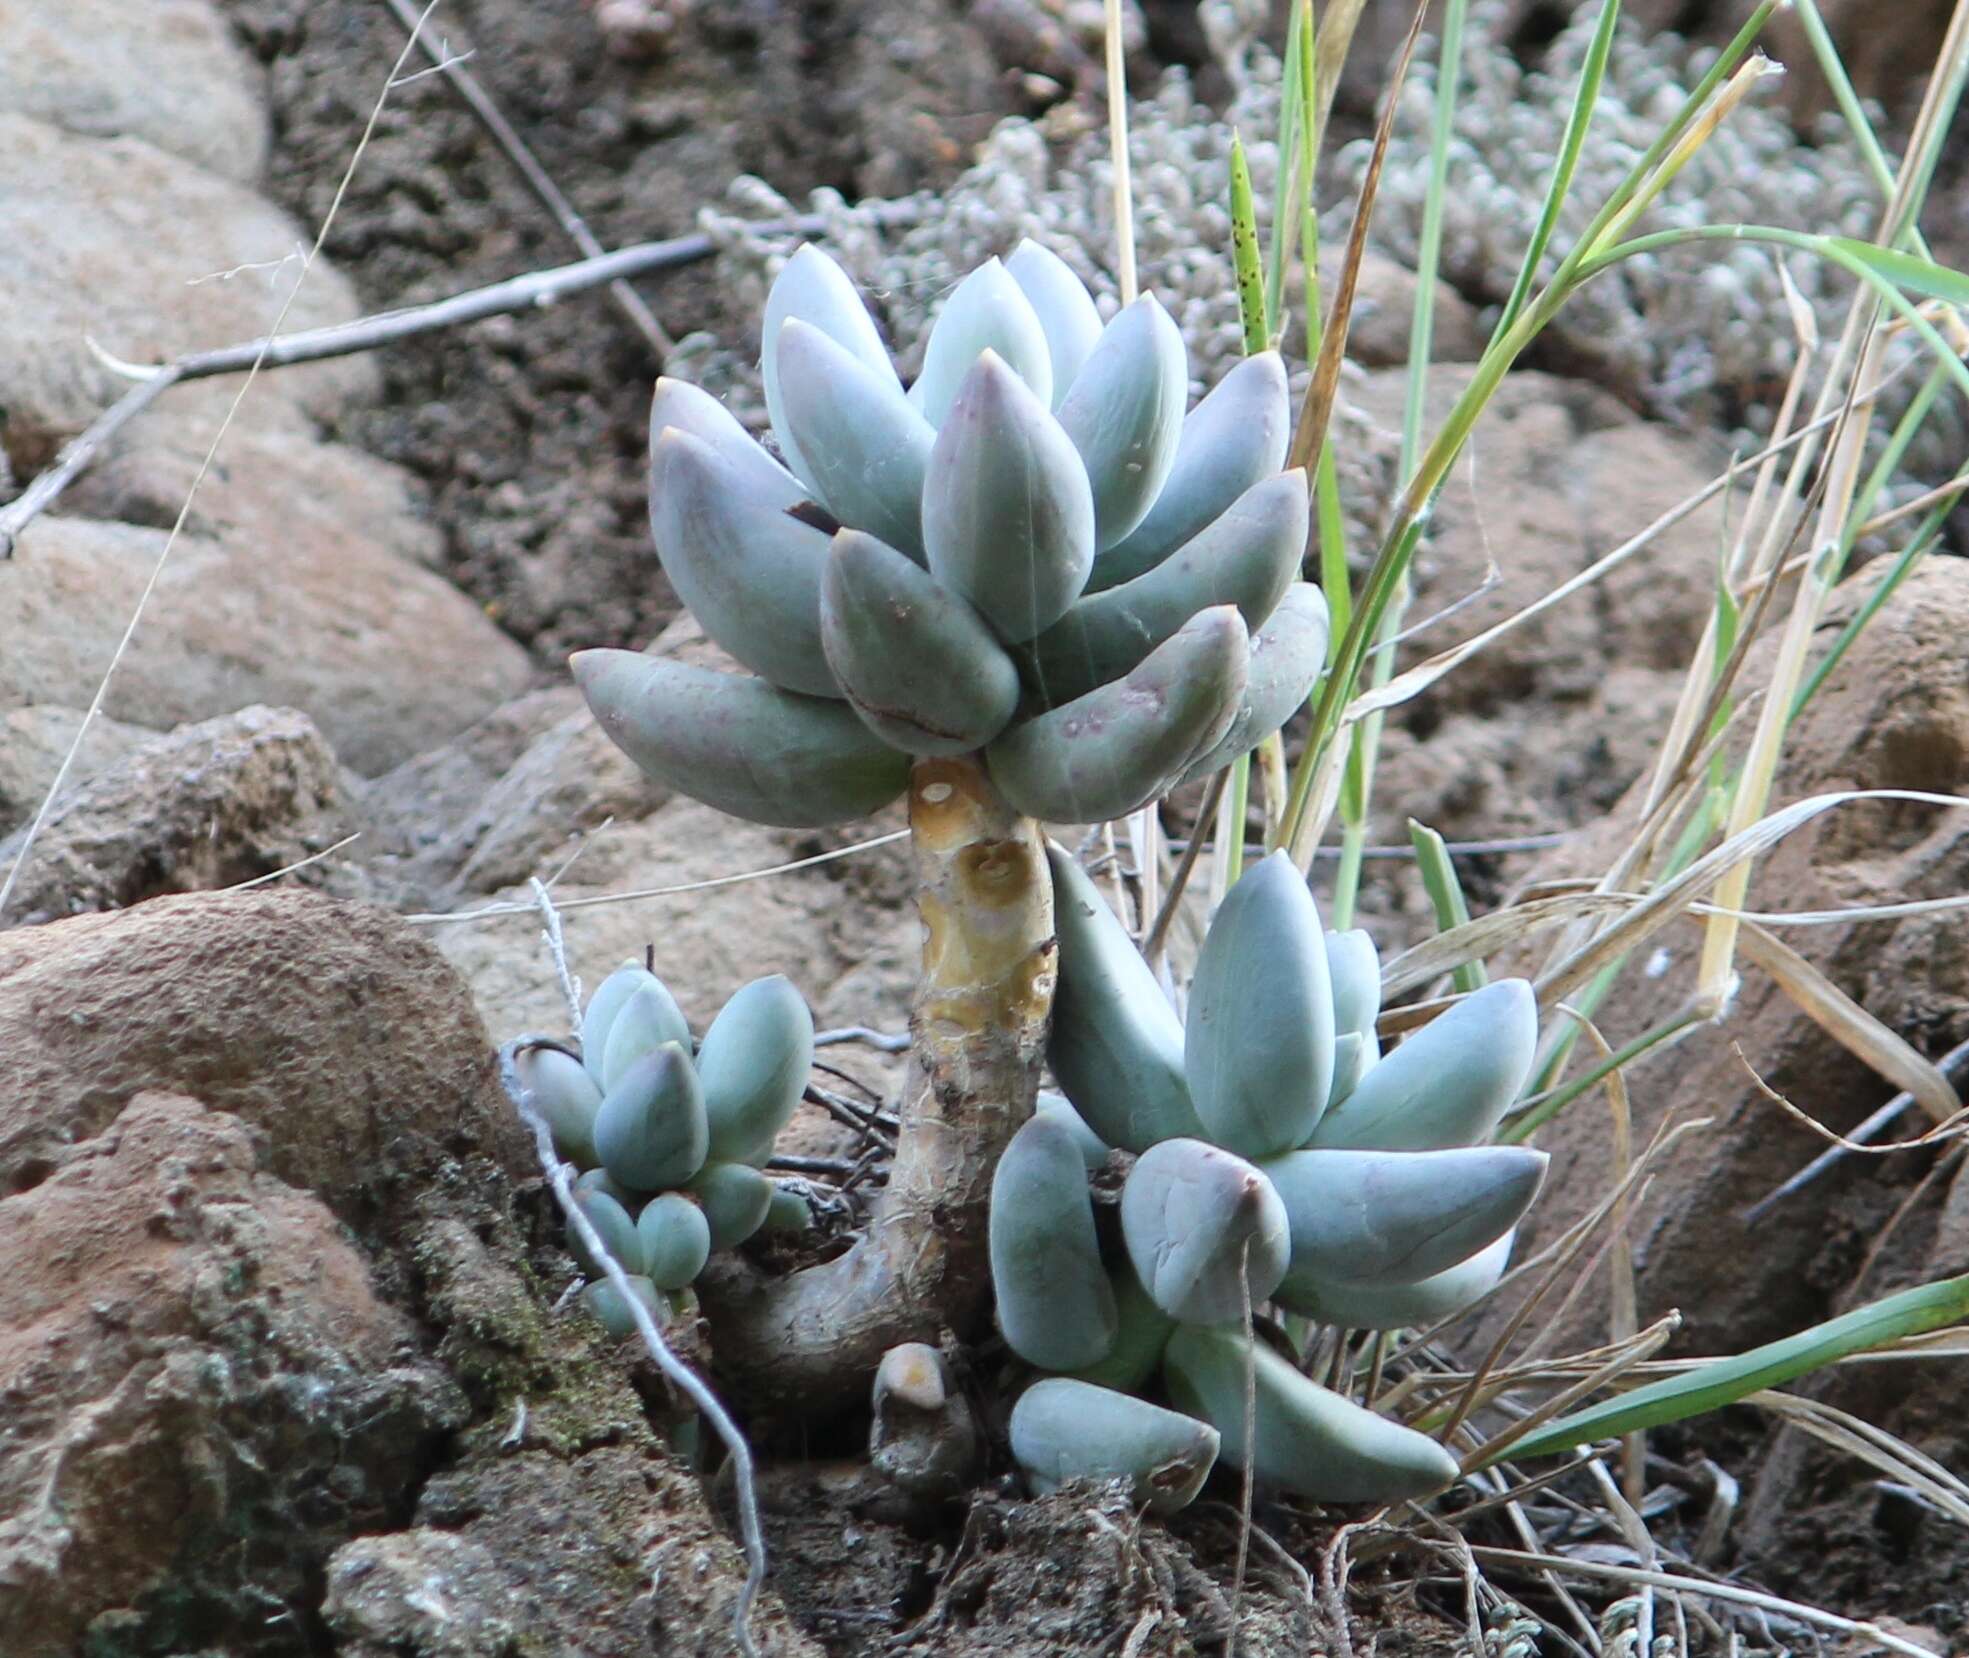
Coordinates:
x,y
671,1142
1031,551
1279,1157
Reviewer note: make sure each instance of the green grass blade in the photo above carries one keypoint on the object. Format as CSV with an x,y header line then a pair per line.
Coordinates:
x,y
1284,199
1245,259
1445,890
1722,1382
1906,270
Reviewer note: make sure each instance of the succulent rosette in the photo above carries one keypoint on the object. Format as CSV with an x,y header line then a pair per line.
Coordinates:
x,y
1033,551
1278,1157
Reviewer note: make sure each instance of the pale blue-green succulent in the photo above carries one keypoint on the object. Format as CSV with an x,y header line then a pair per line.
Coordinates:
x,y
668,1133
1033,553
1282,1160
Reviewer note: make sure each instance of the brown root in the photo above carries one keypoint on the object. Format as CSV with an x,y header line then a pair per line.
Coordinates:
x,y
810,1342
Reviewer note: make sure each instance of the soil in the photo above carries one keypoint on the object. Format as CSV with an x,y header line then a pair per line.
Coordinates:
x,y
529,432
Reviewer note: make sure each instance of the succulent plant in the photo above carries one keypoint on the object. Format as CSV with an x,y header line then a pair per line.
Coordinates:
x,y
669,1134
1031,552
1280,1158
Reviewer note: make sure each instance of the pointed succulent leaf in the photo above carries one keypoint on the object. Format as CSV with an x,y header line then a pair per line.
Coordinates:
x,y
811,287
1124,413
1116,1043
1008,518
1126,743
1258,1046
748,569
1067,1430
987,311
1232,439
736,1199
611,996
738,744
864,446
753,1065
917,662
600,1180
1354,966
1093,1149
676,1240
1393,1217
618,1234
647,1020
786,1209
691,409
1354,1055
566,1097
1402,1306
1287,655
1142,1330
1248,557
1196,1219
604,1301
1054,1301
1065,310
1309,1441
650,1131
1449,1083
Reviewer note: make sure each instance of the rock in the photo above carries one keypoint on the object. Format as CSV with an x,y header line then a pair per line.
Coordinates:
x,y
208,806
167,72
110,240
35,740
1384,307
329,1027
512,1553
388,659
201,1391
1895,715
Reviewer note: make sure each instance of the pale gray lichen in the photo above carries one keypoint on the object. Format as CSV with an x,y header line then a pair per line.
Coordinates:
x,y
1698,336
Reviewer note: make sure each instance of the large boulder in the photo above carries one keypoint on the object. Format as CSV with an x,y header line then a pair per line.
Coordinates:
x,y
1895,715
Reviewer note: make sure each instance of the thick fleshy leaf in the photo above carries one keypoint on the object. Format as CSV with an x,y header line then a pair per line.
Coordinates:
x,y
1196,1219
1287,655
865,447
1124,413
604,1301
811,287
736,1199
1309,1441
610,997
1248,557
1232,439
1354,1055
738,744
646,1020
691,409
1142,1331
1395,1217
1449,1083
1067,1430
1008,518
1258,1047
1054,1302
617,1231
1403,1306
753,1065
1354,966
987,311
917,662
1116,1043
1126,743
1065,310
1093,1149
567,1098
747,568
676,1240
786,1209
600,1180
650,1131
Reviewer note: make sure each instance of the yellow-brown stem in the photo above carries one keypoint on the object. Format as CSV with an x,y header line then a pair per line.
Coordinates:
x,y
810,1342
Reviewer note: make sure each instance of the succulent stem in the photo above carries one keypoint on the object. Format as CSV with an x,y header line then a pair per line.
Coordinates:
x,y
812,1339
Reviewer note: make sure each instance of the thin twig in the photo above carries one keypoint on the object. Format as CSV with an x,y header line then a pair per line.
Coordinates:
x,y
881,1041
534,176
